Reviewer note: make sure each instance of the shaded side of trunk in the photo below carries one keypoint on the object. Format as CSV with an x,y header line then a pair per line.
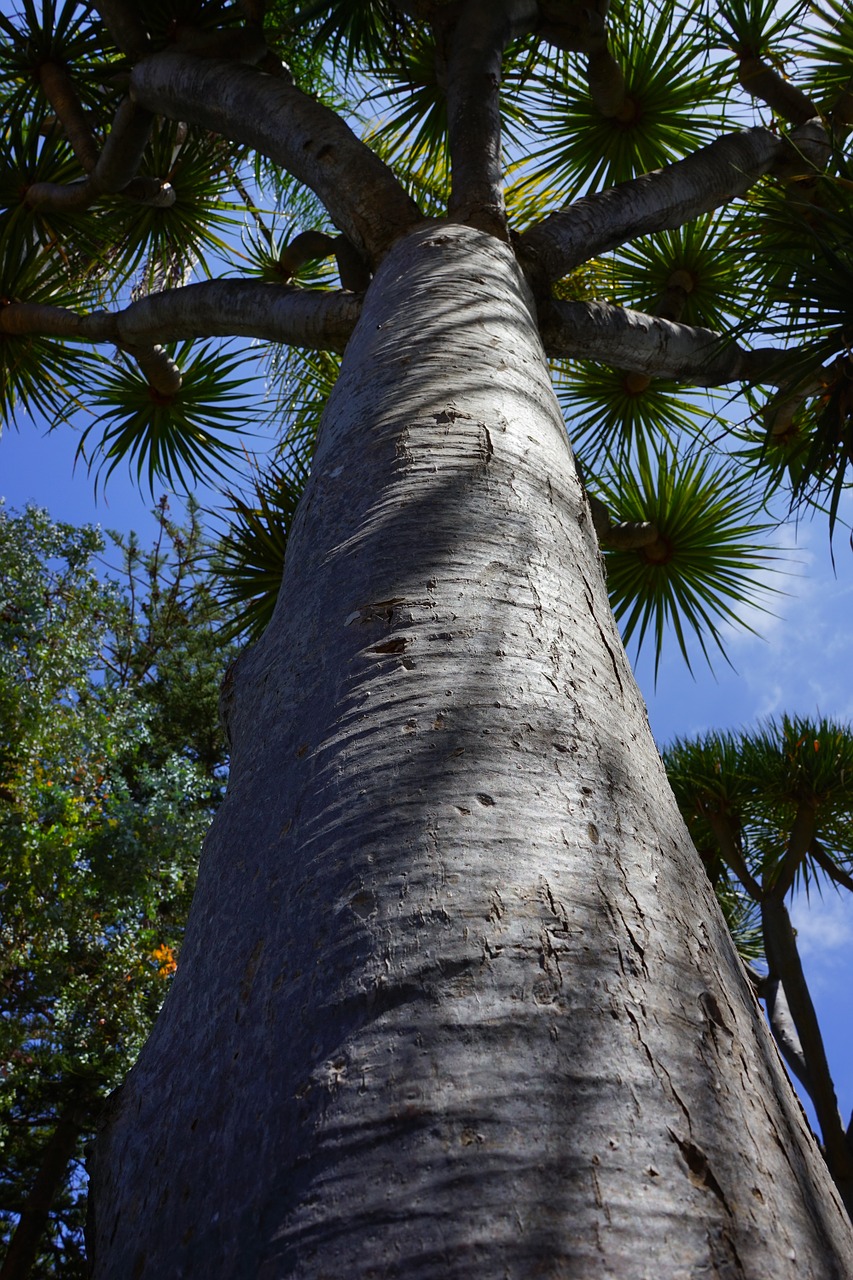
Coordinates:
x,y
456,999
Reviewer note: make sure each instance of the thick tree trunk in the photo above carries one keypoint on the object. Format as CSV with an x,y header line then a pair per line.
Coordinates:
x,y
456,999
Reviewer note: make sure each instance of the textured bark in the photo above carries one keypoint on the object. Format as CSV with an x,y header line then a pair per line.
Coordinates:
x,y
642,343
122,153
57,87
455,999
785,1031
361,194
212,308
658,201
473,81
783,960
781,96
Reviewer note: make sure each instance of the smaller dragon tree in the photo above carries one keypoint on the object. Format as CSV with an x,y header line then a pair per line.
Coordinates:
x,y
770,814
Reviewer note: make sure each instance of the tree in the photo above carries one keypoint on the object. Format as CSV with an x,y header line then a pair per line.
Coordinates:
x,y
454,996
768,811
105,791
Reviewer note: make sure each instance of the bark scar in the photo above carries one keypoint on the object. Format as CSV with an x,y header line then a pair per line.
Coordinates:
x,y
700,1173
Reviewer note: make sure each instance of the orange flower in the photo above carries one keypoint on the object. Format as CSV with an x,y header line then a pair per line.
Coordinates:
x,y
165,958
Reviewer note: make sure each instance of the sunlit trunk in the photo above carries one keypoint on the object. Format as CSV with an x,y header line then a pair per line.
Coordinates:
x,y
455,1000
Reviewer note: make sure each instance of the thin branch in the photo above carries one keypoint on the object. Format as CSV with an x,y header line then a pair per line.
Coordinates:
x,y
783,960
60,93
251,207
212,308
731,852
35,1212
640,343
658,201
123,149
113,171
56,197
269,114
624,535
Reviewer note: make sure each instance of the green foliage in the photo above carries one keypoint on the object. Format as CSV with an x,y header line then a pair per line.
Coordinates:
x,y
661,50
111,762
689,274
751,786
699,570
167,241
48,32
250,558
756,28
351,28
172,437
773,266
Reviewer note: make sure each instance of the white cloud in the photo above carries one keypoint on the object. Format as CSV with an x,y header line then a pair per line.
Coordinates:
x,y
824,924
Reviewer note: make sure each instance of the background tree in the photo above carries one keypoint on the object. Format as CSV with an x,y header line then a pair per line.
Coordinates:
x,y
769,811
477,992
111,763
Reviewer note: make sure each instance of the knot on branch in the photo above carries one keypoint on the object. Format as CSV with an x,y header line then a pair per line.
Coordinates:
x,y
805,151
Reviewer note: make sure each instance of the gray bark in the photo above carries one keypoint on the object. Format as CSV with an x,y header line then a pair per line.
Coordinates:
x,y
456,999
785,1031
271,115
472,88
661,348
783,961
211,308
658,201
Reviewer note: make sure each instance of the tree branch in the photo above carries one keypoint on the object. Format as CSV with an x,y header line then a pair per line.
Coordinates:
x,y
574,25
783,960
113,171
157,368
212,308
731,852
122,152
125,27
35,1212
472,86
60,93
271,115
80,195
640,343
785,1032
658,201
782,97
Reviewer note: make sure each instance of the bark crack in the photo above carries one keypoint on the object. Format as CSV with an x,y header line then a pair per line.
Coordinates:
x,y
604,640
701,1174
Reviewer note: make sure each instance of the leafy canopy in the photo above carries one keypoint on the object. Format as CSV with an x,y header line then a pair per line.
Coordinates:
x,y
590,99
111,762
